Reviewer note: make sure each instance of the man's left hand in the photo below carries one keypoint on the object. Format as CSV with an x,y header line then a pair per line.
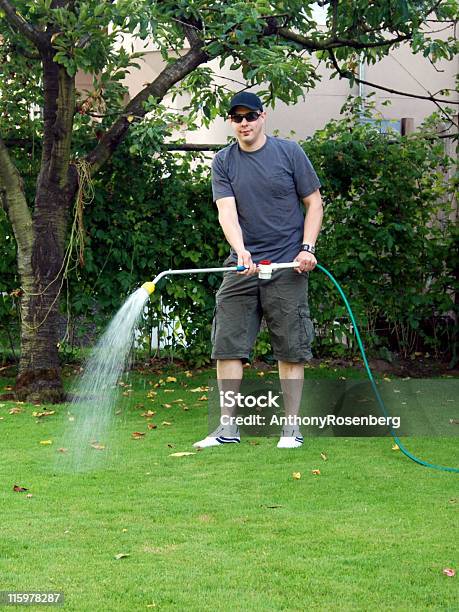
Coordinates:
x,y
307,262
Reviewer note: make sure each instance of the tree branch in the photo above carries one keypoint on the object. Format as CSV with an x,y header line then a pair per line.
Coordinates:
x,y
171,74
334,43
15,201
189,146
348,75
19,24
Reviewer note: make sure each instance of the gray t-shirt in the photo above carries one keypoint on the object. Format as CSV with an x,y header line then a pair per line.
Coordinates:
x,y
268,185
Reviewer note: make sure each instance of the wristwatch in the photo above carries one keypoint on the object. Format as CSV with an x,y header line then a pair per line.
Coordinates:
x,y
309,248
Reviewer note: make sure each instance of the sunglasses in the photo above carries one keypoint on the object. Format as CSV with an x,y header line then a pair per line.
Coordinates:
x,y
250,117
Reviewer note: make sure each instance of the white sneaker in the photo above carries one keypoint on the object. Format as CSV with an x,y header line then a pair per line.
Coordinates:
x,y
290,439
218,437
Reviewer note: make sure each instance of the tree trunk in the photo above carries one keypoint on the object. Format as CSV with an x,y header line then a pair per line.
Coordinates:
x,y
39,377
41,240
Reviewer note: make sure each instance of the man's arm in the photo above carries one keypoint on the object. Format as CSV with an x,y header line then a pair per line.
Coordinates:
x,y
314,216
312,225
229,221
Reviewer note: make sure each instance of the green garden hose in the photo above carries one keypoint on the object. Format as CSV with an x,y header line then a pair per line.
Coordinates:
x,y
404,450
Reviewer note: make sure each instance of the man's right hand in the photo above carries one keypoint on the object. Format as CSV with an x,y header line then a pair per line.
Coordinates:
x,y
244,258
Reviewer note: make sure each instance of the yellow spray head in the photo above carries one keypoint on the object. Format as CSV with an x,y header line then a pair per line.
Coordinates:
x,y
149,287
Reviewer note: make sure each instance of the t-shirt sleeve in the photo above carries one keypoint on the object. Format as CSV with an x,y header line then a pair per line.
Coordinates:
x,y
306,179
221,186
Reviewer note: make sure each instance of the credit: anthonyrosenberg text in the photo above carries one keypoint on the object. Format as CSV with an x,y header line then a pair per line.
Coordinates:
x,y
328,420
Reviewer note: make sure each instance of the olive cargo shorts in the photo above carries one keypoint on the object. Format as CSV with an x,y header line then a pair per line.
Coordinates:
x,y
242,301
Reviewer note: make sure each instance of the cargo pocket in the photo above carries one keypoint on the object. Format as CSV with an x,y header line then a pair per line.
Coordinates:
x,y
307,333
229,329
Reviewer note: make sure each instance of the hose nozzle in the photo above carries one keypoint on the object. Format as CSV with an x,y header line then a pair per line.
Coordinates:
x,y
149,287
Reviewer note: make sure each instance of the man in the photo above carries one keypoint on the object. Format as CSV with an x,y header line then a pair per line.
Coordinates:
x,y
258,185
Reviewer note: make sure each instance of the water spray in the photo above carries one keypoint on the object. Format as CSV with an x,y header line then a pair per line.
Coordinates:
x,y
265,271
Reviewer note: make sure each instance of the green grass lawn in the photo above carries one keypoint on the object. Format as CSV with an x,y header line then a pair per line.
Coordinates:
x,y
227,528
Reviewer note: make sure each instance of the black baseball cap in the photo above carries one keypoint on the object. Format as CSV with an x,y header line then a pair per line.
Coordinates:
x,y
247,99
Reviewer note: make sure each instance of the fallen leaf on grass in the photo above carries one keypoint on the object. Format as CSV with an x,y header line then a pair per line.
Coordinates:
x,y
260,373
148,413
296,475
324,456
184,454
46,442
62,450
137,435
203,398
151,426
15,410
166,423
188,374
315,472
171,379
185,408
396,447
122,556
167,405
449,571
29,495
199,389
98,446
177,401
19,489
273,506
38,415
